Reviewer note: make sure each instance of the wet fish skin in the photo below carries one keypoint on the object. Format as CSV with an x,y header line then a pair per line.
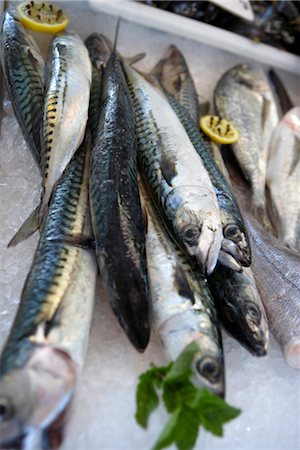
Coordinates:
x,y
23,68
66,105
235,235
99,54
175,174
240,308
283,179
116,210
46,347
173,73
53,262
243,97
182,308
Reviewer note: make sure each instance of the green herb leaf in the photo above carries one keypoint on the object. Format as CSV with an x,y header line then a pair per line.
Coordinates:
x,y
181,367
190,407
166,437
146,396
214,412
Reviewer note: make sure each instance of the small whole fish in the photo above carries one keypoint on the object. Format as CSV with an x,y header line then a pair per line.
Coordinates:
x,y
243,97
276,271
45,349
240,308
182,307
175,174
235,246
66,103
173,73
23,68
283,179
116,210
99,55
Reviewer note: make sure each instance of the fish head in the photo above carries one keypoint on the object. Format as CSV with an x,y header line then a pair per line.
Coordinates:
x,y
197,225
98,49
236,243
171,70
32,397
208,367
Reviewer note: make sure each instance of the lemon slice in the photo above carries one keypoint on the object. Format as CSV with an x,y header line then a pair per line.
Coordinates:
x,y
219,130
42,17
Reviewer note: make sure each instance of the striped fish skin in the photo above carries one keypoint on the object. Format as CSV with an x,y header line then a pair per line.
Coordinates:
x,y
235,235
99,55
66,105
243,97
23,67
182,307
175,175
240,308
173,73
47,343
116,210
53,262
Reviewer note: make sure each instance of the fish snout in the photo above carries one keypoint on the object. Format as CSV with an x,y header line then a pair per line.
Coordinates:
x,y
240,251
208,248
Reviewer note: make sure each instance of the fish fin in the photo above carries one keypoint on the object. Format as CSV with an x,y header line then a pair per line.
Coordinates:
x,y
80,241
182,285
135,58
168,169
296,155
265,111
157,69
29,227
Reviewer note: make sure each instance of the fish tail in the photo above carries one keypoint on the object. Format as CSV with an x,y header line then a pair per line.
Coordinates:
x,y
29,227
116,35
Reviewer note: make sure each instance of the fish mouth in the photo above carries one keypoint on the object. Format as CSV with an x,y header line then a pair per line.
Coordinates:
x,y
208,249
48,381
238,250
228,260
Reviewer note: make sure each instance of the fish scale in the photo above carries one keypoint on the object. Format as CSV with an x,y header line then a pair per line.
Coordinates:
x,y
22,67
54,260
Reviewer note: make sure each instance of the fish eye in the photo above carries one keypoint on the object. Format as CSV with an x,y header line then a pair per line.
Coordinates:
x,y
231,231
253,312
190,234
209,368
6,409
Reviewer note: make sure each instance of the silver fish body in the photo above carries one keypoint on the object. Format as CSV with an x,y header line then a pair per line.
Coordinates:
x,y
243,97
283,179
45,349
23,68
175,174
182,308
66,106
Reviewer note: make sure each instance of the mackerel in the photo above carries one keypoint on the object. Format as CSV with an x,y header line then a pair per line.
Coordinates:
x,y
183,310
235,243
116,210
23,68
175,174
45,349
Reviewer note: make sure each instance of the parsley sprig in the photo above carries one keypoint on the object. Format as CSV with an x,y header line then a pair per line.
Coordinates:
x,y
189,407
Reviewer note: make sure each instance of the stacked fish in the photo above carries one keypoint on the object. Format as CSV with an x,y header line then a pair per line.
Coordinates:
x,y
175,233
